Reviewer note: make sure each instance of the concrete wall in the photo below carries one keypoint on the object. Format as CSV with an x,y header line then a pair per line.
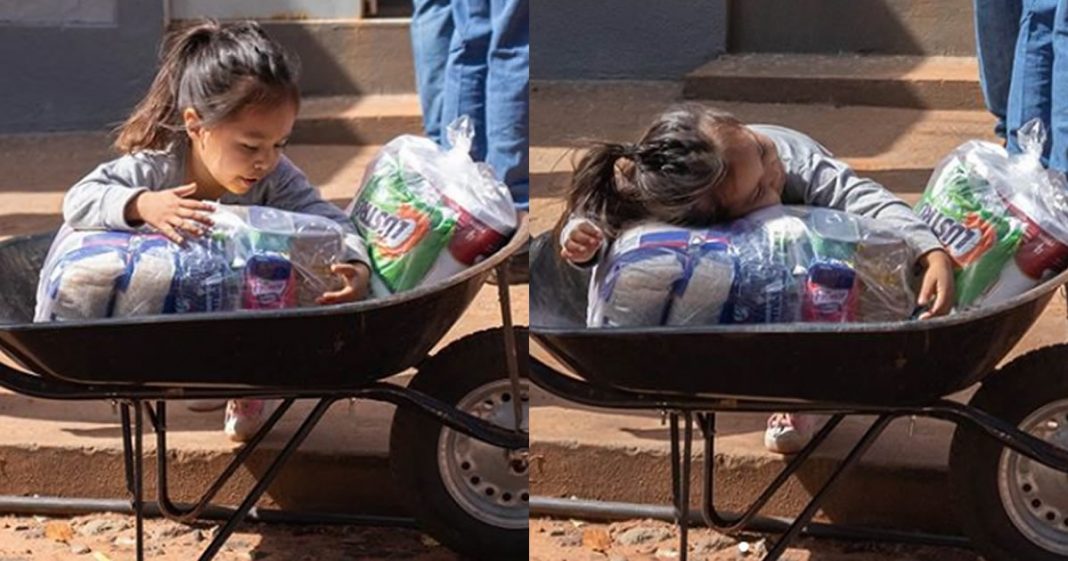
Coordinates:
x,y
624,39
75,64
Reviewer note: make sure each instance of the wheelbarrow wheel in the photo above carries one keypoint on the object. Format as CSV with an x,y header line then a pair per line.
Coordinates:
x,y
1013,508
469,495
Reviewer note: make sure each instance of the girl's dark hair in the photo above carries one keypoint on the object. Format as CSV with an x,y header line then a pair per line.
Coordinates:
x,y
218,70
676,161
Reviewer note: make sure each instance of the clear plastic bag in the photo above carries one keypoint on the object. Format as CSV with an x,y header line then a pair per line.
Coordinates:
x,y
777,265
427,213
253,258
1002,218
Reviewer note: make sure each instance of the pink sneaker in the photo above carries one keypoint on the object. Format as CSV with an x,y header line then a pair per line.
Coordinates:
x,y
246,416
789,433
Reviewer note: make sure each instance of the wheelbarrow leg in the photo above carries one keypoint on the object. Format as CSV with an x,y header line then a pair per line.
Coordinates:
x,y
127,445
806,515
505,295
138,480
167,506
711,515
268,477
680,478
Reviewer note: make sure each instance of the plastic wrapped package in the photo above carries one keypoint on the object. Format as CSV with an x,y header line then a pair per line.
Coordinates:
x,y
253,258
1002,218
777,265
285,256
639,275
772,249
80,282
702,294
428,213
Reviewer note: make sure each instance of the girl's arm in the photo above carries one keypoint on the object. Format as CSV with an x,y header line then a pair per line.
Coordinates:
x,y
130,192
833,184
99,201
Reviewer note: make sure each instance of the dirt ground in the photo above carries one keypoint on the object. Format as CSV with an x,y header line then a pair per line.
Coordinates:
x,y
110,537
647,540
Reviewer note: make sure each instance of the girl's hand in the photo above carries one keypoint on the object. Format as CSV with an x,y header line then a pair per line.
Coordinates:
x,y
357,279
582,243
937,283
171,212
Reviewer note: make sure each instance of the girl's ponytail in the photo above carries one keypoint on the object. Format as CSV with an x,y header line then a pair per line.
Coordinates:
x,y
218,70
155,121
599,188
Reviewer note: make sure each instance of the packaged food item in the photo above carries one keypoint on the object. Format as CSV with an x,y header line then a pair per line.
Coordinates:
x,y
81,276
638,279
254,258
777,265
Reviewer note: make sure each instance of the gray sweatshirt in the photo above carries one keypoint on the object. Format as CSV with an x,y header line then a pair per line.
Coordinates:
x,y
98,201
815,178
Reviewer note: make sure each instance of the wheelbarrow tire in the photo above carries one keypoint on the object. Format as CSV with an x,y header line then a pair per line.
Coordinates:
x,y
1012,394
451,375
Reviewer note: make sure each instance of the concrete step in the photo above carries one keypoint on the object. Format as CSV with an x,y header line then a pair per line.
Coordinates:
x,y
921,82
363,119
349,57
905,27
623,456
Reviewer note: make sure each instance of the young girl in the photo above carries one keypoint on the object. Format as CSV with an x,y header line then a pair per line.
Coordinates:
x,y
212,127
696,166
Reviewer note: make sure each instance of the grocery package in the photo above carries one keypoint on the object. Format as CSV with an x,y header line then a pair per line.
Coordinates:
x,y
428,213
253,258
81,282
1002,218
777,265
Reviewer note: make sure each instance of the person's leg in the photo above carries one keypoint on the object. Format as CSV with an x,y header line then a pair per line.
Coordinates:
x,y
1058,133
1031,87
465,73
997,27
431,30
508,98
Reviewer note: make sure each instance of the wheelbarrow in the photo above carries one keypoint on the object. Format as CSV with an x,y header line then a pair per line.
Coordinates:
x,y
1008,461
458,446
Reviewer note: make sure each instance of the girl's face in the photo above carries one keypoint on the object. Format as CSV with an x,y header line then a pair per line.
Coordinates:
x,y
231,156
756,175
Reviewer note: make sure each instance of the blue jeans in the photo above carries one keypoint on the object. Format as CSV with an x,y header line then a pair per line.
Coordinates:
x,y
997,25
486,78
431,31
1038,74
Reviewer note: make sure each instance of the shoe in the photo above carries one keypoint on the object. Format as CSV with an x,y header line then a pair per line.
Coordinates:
x,y
245,417
789,433
518,267
205,405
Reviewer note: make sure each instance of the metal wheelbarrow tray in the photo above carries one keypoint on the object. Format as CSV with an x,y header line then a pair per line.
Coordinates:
x,y
327,353
888,370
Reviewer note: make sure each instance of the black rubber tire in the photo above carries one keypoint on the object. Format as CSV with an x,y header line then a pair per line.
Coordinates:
x,y
1011,394
450,375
